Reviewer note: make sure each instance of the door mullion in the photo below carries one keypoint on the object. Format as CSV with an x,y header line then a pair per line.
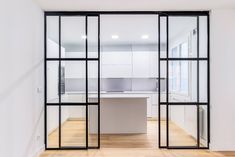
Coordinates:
x,y
159,83
86,24
198,99
167,82
59,85
99,81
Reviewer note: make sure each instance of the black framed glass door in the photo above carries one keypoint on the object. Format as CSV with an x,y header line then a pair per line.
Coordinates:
x,y
72,79
72,82
184,81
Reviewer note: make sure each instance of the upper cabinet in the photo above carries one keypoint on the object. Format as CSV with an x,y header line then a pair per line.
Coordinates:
x,y
116,58
141,64
129,64
116,64
153,64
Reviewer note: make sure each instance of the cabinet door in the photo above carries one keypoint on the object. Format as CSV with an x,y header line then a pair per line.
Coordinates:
x,y
116,71
116,64
140,64
149,107
117,58
153,64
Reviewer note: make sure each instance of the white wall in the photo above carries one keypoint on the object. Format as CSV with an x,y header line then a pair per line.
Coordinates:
x,y
21,67
222,80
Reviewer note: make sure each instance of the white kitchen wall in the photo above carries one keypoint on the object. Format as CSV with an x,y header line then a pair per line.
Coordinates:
x,y
21,67
222,79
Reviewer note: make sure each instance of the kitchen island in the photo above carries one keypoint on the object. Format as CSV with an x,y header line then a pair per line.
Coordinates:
x,y
121,113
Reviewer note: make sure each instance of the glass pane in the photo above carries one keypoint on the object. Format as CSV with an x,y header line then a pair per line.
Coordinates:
x,y
73,37
163,81
203,81
52,126
73,82
163,125
73,126
182,37
163,36
93,126
52,81
182,81
92,37
52,37
183,125
203,125
125,50
203,43
93,81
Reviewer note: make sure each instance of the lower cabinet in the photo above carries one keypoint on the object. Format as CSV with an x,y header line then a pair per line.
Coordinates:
x,y
152,106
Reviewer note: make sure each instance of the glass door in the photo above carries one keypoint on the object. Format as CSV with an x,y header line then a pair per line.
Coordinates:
x,y
72,82
184,81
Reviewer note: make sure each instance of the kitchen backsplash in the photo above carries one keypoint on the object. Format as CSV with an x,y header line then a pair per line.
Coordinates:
x,y
115,84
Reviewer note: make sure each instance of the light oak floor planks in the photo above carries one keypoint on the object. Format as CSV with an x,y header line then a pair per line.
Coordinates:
x,y
228,153
131,152
73,134
132,145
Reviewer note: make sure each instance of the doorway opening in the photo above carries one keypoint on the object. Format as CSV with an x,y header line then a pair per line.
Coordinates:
x,y
126,80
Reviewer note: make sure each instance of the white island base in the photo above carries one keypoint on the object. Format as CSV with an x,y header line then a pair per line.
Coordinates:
x,y
120,115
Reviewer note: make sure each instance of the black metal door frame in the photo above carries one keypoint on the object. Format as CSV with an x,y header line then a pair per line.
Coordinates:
x,y
87,103
167,103
86,59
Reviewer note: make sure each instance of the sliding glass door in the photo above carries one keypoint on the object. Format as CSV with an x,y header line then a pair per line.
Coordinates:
x,y
72,74
184,86
72,82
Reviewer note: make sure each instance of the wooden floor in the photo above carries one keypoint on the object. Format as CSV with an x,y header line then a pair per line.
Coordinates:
x,y
228,153
73,134
137,145
131,152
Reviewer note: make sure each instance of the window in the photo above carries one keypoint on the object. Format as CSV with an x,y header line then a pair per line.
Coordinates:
x,y
179,70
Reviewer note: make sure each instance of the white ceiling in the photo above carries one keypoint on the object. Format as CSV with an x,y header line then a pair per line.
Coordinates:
x,y
117,5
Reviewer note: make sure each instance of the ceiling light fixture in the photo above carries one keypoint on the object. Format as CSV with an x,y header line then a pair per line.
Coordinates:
x,y
115,36
144,36
83,36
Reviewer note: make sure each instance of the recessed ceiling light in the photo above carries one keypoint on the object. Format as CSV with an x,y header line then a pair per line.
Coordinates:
x,y
144,36
115,36
83,36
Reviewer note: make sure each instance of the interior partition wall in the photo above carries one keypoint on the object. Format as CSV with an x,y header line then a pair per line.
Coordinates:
x,y
183,79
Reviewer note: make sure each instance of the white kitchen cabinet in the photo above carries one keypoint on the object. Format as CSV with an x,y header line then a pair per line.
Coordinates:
x,y
153,64
154,106
154,111
154,98
116,71
145,64
116,64
136,64
149,107
140,64
116,58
